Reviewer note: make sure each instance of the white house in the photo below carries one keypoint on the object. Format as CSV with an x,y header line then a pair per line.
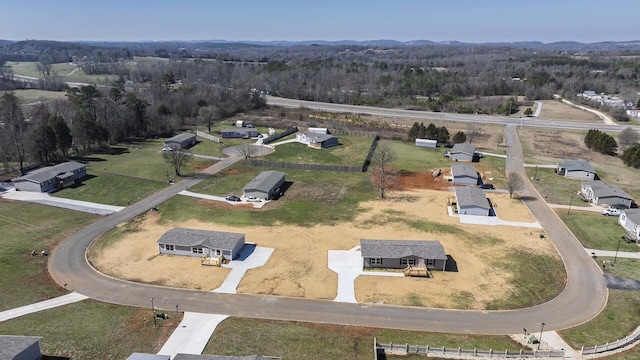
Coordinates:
x,y
603,193
630,221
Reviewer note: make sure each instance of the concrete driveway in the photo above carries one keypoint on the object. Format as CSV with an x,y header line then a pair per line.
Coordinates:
x,y
46,199
256,205
250,257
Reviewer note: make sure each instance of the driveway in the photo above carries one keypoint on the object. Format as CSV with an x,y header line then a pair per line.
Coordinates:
x,y
256,205
46,199
250,257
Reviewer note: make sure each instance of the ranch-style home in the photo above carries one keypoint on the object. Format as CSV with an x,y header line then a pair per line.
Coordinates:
x,y
181,141
399,254
471,200
464,174
20,347
630,221
239,133
463,152
604,193
198,243
576,169
51,177
317,140
264,186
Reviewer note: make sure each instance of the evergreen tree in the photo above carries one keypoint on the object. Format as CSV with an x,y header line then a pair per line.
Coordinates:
x,y
459,138
631,156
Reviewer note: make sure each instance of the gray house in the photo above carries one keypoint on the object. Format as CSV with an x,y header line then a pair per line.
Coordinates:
x,y
181,141
463,152
604,193
239,133
398,254
472,201
464,174
316,140
264,186
51,177
576,169
20,347
630,221
197,243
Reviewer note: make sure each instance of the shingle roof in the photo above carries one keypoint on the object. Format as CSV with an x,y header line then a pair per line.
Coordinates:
x,y
316,137
603,189
463,149
471,196
460,169
193,237
633,215
576,165
181,137
397,249
49,172
11,346
265,181
216,357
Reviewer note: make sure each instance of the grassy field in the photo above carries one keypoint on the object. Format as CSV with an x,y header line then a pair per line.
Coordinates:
x,y
305,341
623,267
25,275
32,95
418,159
93,330
351,151
27,68
596,231
556,189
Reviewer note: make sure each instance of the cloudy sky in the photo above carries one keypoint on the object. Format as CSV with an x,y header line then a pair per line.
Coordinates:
x,y
462,20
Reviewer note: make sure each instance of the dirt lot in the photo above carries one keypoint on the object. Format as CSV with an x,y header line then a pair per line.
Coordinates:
x,y
556,110
298,266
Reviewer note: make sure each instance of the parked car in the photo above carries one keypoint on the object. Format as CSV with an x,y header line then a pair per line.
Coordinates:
x,y
486,186
232,198
253,199
611,212
167,149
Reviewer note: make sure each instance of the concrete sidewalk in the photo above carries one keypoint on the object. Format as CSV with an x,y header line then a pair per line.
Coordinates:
x,y
46,199
250,257
42,305
597,209
192,334
494,221
621,254
550,341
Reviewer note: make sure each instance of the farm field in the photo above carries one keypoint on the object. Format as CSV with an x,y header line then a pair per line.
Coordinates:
x,y
32,95
64,70
557,110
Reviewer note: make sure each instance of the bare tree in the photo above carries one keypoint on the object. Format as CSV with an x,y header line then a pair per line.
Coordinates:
x,y
514,183
246,150
628,137
208,115
382,159
177,157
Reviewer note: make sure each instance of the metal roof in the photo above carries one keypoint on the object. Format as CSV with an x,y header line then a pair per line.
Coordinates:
x,y
463,149
603,189
192,237
460,169
397,249
11,346
49,172
471,196
265,181
181,137
576,165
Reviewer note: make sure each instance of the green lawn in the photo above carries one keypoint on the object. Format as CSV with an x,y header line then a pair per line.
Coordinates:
x,y
93,330
27,227
306,341
556,189
25,68
418,159
351,151
28,68
623,267
596,231
32,95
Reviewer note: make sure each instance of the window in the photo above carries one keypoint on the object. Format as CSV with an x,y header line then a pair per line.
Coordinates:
x,y
196,250
216,252
409,262
169,247
431,262
375,261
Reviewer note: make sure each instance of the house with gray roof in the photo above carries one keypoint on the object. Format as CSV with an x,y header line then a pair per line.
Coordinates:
x,y
264,186
630,221
181,141
198,243
464,174
239,133
399,254
472,201
463,152
51,177
576,169
317,140
604,193
20,347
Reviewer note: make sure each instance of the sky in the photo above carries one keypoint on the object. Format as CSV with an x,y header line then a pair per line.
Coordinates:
x,y
472,21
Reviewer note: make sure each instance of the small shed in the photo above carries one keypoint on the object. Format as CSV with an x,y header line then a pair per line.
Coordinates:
x,y
20,347
399,254
464,174
318,130
239,133
198,243
471,200
426,143
265,186
239,123
181,141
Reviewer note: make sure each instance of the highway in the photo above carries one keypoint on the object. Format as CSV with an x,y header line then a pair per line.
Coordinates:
x,y
584,296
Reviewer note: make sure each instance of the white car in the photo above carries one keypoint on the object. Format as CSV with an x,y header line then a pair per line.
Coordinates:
x,y
253,199
611,212
167,149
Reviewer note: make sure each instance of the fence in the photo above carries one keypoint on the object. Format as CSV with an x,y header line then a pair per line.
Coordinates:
x,y
405,349
618,344
207,136
278,164
354,133
275,137
372,149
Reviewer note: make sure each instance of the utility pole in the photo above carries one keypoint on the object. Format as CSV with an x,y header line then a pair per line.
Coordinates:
x,y
153,311
540,339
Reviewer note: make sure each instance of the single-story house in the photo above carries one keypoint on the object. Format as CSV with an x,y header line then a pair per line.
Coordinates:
x,y
181,141
576,169
20,347
604,193
464,174
630,221
264,186
317,140
463,152
239,133
398,254
197,243
633,113
51,177
471,200
426,143
142,356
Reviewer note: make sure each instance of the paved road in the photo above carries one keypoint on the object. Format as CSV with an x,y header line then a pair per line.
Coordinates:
x,y
583,298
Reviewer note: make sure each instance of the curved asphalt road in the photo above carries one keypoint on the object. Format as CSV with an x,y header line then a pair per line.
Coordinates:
x,y
583,297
